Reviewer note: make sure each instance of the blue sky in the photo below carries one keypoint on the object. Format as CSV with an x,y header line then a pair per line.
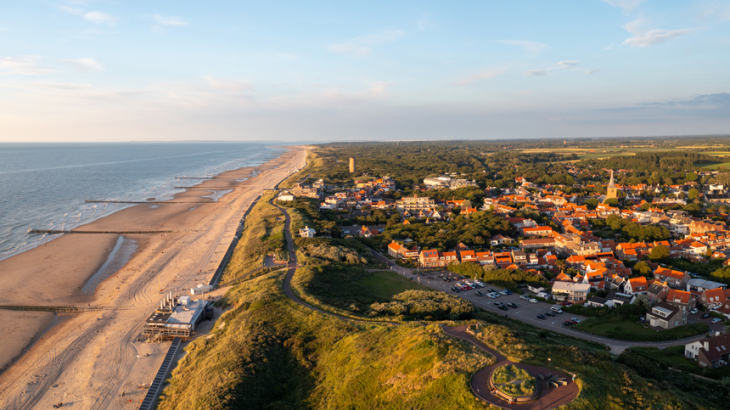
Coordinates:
x,y
180,70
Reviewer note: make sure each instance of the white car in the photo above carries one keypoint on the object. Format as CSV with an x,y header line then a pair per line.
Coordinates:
x,y
716,320
504,293
533,300
694,311
492,295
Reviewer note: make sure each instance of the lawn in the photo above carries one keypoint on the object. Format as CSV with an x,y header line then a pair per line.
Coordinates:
x,y
716,166
624,328
383,285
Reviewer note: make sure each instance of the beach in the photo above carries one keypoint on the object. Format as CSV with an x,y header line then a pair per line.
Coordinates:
x,y
91,358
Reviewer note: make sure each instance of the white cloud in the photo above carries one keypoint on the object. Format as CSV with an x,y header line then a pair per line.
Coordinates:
x,y
98,17
379,87
483,75
24,65
567,64
361,45
591,71
626,5
527,45
537,72
72,10
655,36
642,37
169,21
85,65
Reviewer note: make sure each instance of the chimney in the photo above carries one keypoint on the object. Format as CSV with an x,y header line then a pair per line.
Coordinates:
x,y
707,345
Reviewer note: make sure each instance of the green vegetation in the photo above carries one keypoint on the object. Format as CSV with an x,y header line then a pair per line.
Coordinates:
x,y
721,275
604,382
625,328
514,381
314,251
353,291
305,212
266,352
313,162
673,357
263,235
654,160
474,230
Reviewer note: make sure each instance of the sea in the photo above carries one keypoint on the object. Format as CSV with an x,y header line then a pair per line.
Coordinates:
x,y
44,185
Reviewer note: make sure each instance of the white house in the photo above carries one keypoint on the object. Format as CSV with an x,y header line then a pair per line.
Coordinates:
x,y
286,196
307,232
572,292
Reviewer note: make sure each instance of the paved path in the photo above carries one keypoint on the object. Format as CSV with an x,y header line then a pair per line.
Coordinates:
x,y
529,313
549,397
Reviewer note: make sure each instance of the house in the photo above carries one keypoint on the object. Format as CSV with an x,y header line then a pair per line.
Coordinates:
x,y
700,285
681,299
712,352
636,285
618,299
657,292
307,232
500,240
285,196
537,243
595,301
572,292
714,298
429,258
666,316
673,278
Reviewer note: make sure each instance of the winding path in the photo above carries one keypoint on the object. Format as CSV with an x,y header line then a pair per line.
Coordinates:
x,y
549,397
553,398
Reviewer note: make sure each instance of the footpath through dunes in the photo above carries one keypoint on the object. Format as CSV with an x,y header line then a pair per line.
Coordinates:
x,y
90,359
548,398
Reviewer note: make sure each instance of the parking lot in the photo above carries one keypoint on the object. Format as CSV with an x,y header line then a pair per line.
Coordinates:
x,y
525,311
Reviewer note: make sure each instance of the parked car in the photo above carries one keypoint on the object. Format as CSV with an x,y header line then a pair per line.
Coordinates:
x,y
455,289
716,320
541,316
694,311
491,295
551,314
556,309
705,316
498,303
533,300
478,293
575,320
504,292
524,297
491,290
503,307
509,292
512,305
447,280
567,303
568,323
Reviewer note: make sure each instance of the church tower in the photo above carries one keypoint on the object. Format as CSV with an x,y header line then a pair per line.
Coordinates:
x,y
611,191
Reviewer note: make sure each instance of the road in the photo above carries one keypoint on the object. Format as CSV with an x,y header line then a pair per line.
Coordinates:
x,y
527,312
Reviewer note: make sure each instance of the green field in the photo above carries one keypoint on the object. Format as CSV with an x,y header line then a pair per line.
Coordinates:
x,y
624,328
384,285
724,165
674,357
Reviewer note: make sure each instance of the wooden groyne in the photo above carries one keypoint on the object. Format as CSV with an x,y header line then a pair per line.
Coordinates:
x,y
225,179
58,309
104,201
65,231
204,189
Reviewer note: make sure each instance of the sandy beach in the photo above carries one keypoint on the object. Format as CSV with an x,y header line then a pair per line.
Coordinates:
x,y
89,359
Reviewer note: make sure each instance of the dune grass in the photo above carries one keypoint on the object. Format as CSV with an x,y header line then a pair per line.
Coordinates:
x,y
263,235
267,352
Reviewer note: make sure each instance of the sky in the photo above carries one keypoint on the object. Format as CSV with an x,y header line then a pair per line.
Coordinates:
x,y
161,70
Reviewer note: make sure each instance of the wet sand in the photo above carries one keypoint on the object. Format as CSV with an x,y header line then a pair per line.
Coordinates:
x,y
97,352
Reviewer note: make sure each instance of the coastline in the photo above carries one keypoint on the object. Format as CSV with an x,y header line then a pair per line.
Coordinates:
x,y
161,262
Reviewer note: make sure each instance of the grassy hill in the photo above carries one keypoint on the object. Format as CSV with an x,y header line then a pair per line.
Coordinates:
x,y
267,352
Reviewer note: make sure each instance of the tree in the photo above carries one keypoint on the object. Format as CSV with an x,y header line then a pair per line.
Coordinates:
x,y
611,202
659,252
467,204
642,268
646,206
693,193
591,203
